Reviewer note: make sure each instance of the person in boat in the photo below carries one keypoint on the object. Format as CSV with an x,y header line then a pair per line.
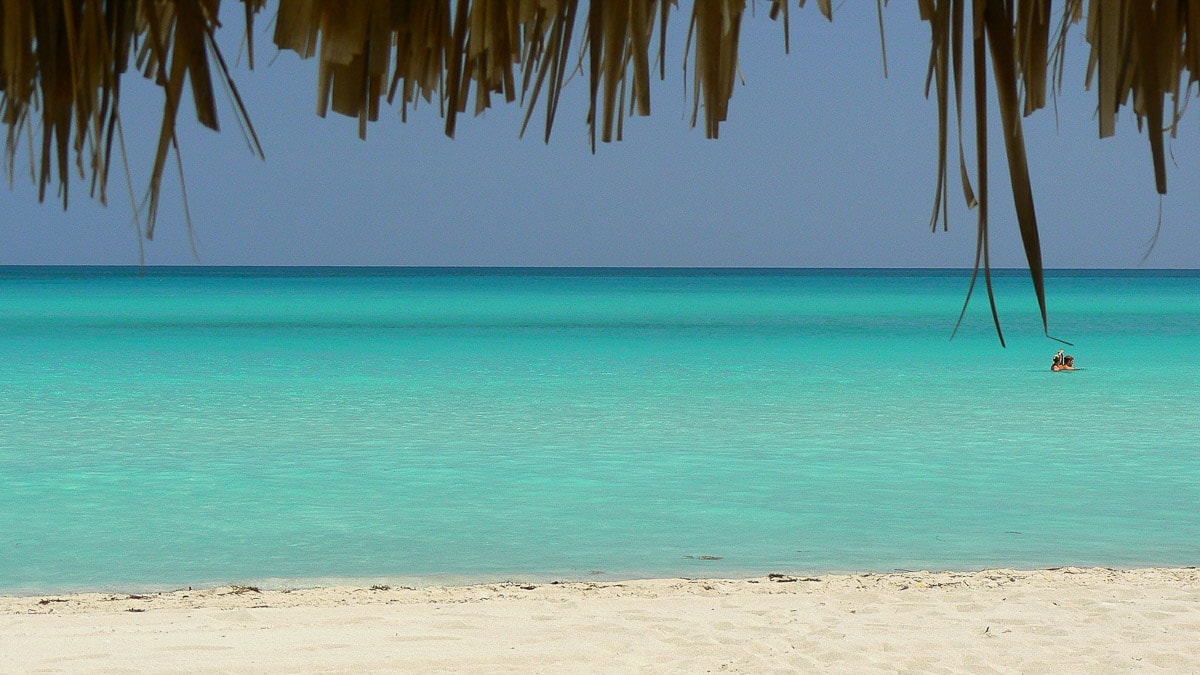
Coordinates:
x,y
1063,362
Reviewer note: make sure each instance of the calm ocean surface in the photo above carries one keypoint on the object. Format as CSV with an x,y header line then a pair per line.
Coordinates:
x,y
184,427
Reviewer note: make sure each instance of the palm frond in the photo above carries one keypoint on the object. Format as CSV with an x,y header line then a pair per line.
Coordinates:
x,y
62,63
1139,53
61,66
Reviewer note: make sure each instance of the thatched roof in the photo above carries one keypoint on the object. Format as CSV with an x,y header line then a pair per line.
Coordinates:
x,y
63,63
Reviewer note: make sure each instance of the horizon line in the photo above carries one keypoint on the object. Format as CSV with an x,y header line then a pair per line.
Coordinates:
x,y
578,268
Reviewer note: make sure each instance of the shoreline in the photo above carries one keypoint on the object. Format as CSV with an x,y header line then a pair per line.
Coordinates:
x,y
1084,619
301,594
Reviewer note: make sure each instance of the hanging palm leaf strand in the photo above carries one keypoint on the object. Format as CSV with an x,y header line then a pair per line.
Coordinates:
x,y
1139,50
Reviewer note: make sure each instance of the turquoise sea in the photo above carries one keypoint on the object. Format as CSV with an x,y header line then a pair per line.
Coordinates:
x,y
193,426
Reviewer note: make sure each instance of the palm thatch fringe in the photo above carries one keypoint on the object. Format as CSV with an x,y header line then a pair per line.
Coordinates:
x,y
62,64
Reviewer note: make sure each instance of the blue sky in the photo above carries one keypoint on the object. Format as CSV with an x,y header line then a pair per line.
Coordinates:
x,y
823,163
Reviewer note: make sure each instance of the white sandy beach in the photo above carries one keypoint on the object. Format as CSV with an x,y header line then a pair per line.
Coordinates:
x,y
1065,620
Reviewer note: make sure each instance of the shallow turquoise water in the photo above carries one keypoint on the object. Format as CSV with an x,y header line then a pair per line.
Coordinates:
x,y
189,427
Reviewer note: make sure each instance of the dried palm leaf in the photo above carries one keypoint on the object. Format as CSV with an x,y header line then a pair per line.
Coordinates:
x,y
61,65
1139,53
62,62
